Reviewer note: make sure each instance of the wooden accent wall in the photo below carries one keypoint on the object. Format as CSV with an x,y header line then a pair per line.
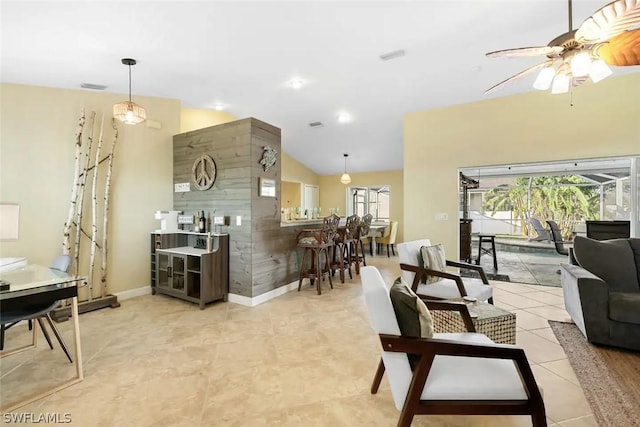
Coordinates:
x,y
262,256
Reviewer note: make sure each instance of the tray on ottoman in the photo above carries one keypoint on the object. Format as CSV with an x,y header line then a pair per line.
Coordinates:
x,y
496,323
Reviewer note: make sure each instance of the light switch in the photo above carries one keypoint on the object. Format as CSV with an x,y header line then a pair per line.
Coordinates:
x,y
239,220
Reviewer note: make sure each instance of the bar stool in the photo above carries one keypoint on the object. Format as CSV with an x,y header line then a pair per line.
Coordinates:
x,y
342,249
316,244
357,246
487,238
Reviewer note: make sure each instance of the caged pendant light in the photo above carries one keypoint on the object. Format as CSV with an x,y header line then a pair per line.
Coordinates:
x,y
127,111
345,178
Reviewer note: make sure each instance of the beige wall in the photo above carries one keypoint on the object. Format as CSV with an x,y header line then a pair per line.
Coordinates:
x,y
36,170
294,171
193,119
291,194
603,121
333,193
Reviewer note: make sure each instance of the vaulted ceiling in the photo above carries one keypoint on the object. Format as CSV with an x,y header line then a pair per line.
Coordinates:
x,y
242,56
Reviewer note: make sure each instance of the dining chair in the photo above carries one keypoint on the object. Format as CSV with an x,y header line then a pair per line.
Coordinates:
x,y
388,238
37,312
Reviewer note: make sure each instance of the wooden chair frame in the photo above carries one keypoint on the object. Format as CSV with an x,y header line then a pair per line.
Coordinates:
x,y
428,349
421,272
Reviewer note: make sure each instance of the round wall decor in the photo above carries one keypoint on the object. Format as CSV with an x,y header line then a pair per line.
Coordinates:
x,y
203,172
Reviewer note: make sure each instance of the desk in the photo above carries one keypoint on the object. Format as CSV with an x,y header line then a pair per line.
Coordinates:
x,y
38,284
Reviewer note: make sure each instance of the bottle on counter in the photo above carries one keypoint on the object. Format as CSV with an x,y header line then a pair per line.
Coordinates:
x,y
202,222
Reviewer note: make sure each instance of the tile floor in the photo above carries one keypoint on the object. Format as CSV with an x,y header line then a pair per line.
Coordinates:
x,y
300,359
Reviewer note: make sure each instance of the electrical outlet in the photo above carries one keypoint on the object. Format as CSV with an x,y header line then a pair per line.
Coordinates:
x,y
182,187
442,216
238,220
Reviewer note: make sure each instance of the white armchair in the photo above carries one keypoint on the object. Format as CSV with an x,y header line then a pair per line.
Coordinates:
x,y
460,373
451,285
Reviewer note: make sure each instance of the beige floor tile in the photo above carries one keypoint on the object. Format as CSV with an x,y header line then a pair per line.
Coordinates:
x,y
563,399
563,368
538,349
546,297
528,321
518,288
550,313
518,301
301,359
588,421
546,333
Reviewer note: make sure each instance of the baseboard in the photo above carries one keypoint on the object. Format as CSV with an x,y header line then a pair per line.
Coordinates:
x,y
252,302
132,293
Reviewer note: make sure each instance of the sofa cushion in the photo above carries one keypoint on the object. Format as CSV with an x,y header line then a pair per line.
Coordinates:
x,y
635,247
433,258
412,315
624,307
611,260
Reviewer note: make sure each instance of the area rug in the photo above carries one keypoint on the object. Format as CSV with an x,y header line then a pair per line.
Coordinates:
x,y
490,276
609,377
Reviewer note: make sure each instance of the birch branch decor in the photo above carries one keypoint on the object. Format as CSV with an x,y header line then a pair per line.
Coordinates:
x,y
95,231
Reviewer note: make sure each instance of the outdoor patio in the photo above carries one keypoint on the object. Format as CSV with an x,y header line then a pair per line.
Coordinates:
x,y
523,261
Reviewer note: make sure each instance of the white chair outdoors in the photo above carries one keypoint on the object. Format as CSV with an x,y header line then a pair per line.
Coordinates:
x,y
458,373
451,285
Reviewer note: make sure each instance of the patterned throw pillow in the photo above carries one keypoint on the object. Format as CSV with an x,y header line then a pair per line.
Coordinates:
x,y
433,258
412,315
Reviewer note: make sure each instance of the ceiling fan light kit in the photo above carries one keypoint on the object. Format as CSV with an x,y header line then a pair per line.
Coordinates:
x,y
608,37
127,111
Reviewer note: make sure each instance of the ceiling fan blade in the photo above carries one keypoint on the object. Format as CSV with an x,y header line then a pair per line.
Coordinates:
x,y
517,76
526,51
609,21
621,50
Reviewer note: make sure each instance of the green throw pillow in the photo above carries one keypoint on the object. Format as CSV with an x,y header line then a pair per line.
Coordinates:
x,y
433,258
412,315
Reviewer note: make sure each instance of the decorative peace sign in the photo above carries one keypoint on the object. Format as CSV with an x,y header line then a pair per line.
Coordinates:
x,y
203,172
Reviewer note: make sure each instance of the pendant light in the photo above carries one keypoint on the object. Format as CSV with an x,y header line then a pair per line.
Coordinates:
x,y
127,111
345,178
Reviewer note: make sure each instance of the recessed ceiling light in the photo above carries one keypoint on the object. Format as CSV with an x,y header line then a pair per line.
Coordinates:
x,y
219,107
344,117
296,83
392,55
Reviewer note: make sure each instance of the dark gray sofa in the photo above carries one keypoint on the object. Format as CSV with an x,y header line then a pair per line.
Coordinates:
x,y
602,294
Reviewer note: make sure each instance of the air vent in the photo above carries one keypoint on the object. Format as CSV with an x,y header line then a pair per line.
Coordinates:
x,y
392,55
316,125
92,86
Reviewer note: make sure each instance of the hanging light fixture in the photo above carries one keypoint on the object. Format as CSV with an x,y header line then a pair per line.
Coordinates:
x,y
345,178
127,111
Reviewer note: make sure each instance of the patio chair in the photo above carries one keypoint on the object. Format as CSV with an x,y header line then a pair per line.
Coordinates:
x,y
451,285
456,373
543,233
559,243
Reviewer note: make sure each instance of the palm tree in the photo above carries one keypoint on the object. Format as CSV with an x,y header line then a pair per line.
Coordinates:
x,y
547,197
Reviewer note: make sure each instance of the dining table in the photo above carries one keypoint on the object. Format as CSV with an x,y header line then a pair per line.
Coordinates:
x,y
37,284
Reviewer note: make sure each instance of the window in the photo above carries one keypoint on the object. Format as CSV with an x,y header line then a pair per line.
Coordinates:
x,y
373,200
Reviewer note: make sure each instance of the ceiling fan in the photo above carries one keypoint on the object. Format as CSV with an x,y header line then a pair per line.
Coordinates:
x,y
605,38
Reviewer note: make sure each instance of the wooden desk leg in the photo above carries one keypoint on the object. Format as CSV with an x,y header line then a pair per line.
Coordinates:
x,y
76,337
